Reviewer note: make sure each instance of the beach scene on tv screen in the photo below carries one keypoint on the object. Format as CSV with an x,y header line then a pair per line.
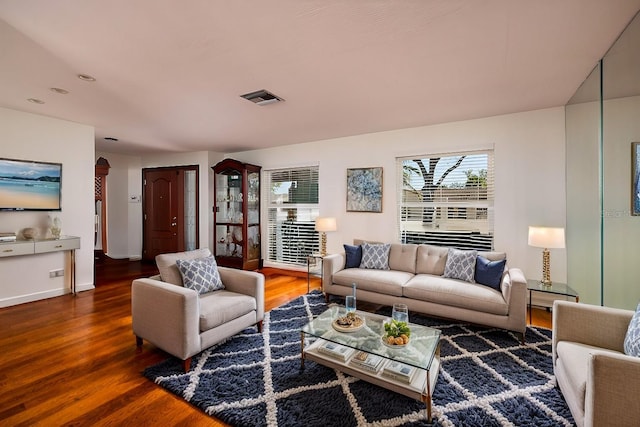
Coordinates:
x,y
25,185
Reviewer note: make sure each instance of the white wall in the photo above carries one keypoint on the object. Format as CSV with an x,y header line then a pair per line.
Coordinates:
x,y
124,217
529,165
35,137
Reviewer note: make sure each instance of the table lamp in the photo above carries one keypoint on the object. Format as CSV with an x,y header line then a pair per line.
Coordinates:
x,y
546,237
324,224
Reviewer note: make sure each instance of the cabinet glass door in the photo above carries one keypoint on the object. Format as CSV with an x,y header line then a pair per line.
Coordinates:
x,y
229,215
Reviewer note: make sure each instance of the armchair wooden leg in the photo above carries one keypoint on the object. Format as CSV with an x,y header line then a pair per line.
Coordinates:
x,y
186,364
259,325
138,341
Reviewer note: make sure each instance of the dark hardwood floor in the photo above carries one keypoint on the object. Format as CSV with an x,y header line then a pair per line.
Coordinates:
x,y
72,360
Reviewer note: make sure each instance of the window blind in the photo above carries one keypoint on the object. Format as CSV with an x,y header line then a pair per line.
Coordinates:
x,y
292,207
447,199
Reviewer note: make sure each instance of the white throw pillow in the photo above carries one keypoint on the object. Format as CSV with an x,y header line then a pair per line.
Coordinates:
x,y
461,265
375,256
200,274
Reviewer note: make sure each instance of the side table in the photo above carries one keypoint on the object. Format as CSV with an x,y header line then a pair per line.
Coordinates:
x,y
312,258
554,288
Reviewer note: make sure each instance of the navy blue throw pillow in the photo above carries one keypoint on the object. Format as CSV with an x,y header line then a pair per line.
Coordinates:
x,y
354,256
489,273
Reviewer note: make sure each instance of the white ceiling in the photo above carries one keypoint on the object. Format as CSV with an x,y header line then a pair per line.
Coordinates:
x,y
170,73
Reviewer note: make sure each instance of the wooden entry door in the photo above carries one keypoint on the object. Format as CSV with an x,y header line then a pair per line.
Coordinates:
x,y
170,210
162,216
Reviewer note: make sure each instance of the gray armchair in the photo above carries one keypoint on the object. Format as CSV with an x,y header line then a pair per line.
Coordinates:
x,y
599,382
183,323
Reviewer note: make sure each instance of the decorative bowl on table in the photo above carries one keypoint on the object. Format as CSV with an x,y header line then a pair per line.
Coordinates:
x,y
349,323
396,334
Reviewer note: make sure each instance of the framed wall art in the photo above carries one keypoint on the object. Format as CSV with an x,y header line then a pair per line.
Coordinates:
x,y
364,190
635,178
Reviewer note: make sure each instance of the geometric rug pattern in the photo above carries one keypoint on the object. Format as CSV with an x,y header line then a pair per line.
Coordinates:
x,y
487,378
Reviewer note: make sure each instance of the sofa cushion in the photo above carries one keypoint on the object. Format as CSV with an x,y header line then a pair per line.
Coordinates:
x,y
431,259
375,256
200,274
402,257
167,264
456,293
220,307
460,265
632,338
489,273
387,282
353,254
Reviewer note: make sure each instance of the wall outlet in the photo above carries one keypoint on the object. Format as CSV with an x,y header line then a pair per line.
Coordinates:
x,y
56,273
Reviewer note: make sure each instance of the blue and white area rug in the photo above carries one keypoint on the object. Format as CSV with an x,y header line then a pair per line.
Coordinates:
x,y
487,378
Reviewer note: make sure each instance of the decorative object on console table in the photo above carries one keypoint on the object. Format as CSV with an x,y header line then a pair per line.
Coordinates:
x,y
324,224
56,228
236,215
364,190
546,238
10,237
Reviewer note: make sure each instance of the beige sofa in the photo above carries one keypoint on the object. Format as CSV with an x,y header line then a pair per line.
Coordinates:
x,y
416,279
183,323
599,382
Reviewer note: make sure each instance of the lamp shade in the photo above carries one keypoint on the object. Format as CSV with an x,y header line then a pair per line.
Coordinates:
x,y
546,237
326,224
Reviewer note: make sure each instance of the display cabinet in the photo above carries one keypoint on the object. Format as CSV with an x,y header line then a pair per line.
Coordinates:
x,y
236,215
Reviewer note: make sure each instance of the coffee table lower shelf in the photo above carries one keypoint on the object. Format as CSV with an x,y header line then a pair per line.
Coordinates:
x,y
421,387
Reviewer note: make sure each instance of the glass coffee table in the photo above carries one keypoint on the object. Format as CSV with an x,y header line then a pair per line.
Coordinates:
x,y
411,370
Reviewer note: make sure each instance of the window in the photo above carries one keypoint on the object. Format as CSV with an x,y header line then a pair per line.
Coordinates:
x,y
447,199
292,208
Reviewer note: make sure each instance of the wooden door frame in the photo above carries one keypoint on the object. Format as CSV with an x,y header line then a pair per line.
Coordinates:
x,y
181,199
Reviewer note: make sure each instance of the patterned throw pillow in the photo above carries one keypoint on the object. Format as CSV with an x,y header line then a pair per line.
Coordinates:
x,y
353,256
375,256
489,273
200,274
461,265
632,339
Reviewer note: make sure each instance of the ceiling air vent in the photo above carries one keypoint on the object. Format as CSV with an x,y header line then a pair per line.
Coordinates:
x,y
262,97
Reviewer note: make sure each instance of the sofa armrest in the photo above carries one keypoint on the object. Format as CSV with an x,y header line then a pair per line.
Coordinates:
x,y
602,327
514,286
613,386
167,316
247,283
331,264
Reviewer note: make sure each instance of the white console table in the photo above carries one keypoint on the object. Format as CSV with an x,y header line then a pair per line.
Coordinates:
x,y
39,246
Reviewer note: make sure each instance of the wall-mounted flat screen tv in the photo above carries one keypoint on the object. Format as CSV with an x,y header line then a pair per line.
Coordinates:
x,y
27,185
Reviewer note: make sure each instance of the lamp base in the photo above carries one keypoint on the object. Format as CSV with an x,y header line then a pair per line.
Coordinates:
x,y
323,244
546,268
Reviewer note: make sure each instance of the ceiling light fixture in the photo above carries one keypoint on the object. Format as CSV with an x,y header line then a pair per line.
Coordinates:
x,y
262,97
110,138
59,90
36,100
86,78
